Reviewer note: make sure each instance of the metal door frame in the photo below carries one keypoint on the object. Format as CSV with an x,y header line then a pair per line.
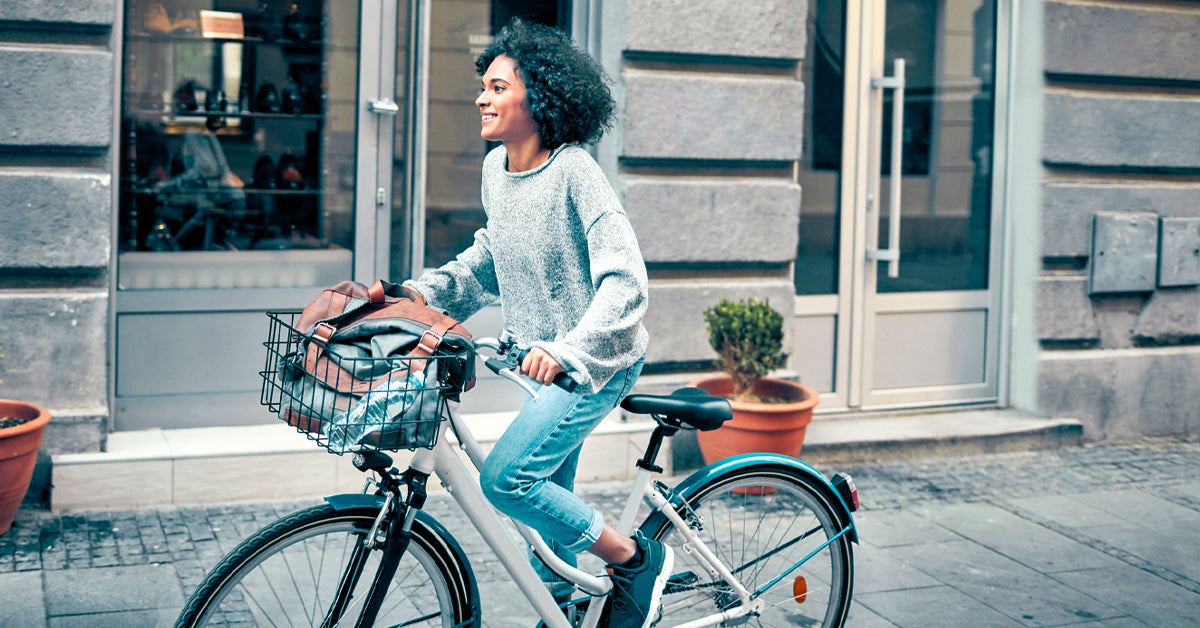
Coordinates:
x,y
857,303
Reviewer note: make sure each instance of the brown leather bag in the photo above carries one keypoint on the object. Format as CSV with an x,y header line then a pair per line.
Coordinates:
x,y
356,346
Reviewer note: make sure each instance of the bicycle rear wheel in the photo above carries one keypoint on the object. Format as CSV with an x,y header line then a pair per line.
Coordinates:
x,y
288,574
760,521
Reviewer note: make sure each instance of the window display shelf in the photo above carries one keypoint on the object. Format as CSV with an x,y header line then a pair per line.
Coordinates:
x,y
224,134
216,191
197,119
169,38
191,270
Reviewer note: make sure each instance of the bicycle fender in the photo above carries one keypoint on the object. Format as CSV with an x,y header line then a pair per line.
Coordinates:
x,y
703,476
347,501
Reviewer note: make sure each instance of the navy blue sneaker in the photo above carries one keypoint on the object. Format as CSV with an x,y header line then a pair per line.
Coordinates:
x,y
636,598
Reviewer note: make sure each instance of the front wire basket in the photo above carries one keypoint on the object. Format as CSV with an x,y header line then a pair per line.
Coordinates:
x,y
347,400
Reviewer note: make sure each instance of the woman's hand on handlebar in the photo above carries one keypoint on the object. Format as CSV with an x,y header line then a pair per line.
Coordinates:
x,y
540,367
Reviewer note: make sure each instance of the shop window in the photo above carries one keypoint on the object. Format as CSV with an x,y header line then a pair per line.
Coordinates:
x,y
232,174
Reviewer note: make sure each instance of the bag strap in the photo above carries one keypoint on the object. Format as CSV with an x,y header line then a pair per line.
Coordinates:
x,y
381,289
341,306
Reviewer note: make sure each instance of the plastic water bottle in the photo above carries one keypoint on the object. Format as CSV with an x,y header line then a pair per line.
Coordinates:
x,y
371,413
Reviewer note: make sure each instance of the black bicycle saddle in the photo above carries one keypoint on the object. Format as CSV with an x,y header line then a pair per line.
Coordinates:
x,y
691,406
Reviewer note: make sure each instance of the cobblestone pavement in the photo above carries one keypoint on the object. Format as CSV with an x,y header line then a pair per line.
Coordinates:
x,y
150,543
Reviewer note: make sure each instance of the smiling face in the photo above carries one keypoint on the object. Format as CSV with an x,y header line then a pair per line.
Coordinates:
x,y
504,113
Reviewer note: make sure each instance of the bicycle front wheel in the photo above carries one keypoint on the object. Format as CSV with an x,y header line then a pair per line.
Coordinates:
x,y
762,523
290,573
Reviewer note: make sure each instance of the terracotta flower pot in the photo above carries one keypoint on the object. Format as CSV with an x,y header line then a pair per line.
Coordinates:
x,y
18,453
770,427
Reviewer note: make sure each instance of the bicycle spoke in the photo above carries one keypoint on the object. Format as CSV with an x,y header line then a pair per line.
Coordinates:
x,y
775,551
768,528
312,564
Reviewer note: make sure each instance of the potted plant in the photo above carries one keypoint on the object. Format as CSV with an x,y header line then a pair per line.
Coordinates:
x,y
769,414
21,426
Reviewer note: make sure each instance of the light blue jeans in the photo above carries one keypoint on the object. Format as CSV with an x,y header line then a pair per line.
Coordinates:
x,y
530,473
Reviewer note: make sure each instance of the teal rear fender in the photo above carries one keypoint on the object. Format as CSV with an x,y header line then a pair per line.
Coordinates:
x,y
701,477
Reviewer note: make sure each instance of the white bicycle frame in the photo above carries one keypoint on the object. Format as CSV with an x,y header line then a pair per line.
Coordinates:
x,y
443,462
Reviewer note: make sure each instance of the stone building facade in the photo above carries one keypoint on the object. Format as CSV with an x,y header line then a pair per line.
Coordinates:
x,y
1100,138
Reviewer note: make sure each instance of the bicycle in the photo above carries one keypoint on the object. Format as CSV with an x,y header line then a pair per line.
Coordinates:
x,y
763,539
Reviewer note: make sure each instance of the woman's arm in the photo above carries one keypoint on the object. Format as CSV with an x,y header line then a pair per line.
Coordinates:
x,y
466,284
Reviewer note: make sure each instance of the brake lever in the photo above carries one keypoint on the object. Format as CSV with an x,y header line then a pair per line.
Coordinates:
x,y
508,370
513,376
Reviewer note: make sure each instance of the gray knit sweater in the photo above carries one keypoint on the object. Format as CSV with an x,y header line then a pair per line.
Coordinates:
x,y
559,253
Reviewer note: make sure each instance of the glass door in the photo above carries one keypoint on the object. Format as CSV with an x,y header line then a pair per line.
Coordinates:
x,y
896,275
438,154
240,192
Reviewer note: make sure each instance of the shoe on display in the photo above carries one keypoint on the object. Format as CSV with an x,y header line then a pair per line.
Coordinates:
x,y
264,24
267,100
295,26
287,173
291,102
185,24
185,97
160,238
636,598
156,20
215,102
264,173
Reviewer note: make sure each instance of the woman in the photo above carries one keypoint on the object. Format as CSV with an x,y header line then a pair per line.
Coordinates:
x,y
560,255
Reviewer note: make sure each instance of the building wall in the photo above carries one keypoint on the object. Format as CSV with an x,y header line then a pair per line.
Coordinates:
x,y
57,81
711,105
710,94
1121,153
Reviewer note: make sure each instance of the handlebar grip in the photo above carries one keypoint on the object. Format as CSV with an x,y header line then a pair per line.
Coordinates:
x,y
562,380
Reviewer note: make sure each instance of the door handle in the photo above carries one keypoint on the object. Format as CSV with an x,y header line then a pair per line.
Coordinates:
x,y
891,255
383,106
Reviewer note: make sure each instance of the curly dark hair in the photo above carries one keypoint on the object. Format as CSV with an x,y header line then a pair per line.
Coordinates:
x,y
566,89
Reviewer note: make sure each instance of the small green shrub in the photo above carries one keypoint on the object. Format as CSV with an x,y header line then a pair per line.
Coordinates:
x,y
748,338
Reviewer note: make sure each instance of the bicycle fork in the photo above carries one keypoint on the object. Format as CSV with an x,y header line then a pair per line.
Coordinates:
x,y
393,536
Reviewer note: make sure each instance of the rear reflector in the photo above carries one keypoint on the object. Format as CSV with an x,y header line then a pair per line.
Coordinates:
x,y
844,484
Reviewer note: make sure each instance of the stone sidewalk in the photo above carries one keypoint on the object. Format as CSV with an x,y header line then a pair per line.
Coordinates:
x,y
1093,536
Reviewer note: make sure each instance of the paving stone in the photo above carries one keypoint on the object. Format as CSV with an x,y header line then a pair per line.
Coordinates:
x,y
1050,514
108,590
912,607
1023,594
21,599
122,619
876,571
1023,541
1140,594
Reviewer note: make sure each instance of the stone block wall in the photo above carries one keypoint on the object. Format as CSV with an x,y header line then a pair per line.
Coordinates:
x,y
57,85
1121,131
711,100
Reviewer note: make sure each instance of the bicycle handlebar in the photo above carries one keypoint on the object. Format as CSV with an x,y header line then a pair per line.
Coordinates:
x,y
507,364
562,380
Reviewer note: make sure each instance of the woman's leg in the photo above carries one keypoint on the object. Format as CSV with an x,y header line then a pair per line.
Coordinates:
x,y
530,473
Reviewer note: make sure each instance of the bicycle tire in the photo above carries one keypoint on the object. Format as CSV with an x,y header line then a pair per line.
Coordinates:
x,y
755,520
288,572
